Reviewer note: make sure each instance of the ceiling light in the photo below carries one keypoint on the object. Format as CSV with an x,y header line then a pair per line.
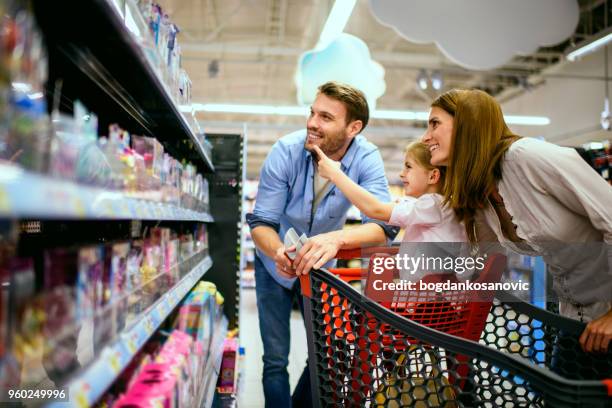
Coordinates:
x,y
336,21
436,80
422,116
591,45
527,120
422,79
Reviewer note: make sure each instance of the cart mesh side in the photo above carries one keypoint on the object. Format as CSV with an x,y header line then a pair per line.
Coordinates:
x,y
361,354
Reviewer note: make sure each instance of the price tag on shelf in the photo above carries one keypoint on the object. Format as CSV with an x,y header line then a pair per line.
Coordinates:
x,y
132,342
124,209
174,297
107,208
5,202
148,326
157,211
143,209
164,307
82,391
78,207
114,361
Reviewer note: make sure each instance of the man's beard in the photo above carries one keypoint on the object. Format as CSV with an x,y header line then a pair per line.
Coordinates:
x,y
330,144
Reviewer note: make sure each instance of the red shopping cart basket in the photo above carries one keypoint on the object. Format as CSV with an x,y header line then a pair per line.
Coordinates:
x,y
460,313
363,354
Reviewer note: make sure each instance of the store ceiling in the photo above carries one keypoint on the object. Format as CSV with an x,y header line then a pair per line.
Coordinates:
x,y
246,51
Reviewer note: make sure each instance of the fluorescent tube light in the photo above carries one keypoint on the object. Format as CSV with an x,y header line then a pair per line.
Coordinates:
x,y
377,114
336,21
527,120
590,45
249,109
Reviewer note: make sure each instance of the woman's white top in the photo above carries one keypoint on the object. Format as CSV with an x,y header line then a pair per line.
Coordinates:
x,y
425,219
563,210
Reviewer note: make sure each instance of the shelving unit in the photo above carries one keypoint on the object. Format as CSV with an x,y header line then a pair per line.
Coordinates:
x,y
28,195
90,43
97,56
87,387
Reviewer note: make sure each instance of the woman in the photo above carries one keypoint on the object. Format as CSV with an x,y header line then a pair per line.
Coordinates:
x,y
537,198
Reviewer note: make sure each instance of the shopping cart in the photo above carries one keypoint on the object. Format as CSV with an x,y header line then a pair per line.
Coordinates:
x,y
361,353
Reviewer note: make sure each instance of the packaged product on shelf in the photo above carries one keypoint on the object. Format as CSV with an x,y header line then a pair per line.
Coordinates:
x,y
24,123
91,165
156,384
187,247
176,353
170,191
8,250
201,239
94,281
135,402
227,377
194,315
185,86
60,334
172,260
89,285
153,154
122,162
25,325
118,282
150,269
133,284
26,140
65,147
75,153
163,237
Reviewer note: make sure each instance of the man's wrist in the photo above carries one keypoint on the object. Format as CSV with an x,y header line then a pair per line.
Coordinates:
x,y
338,237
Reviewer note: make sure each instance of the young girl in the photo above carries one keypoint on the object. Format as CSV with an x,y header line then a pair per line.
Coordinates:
x,y
420,212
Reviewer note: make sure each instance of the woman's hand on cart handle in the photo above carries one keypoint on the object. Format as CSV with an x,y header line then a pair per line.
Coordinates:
x,y
597,336
328,168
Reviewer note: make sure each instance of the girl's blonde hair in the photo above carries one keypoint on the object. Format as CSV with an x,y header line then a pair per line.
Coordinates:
x,y
479,140
420,153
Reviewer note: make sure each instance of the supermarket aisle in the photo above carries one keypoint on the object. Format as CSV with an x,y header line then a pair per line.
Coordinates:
x,y
251,394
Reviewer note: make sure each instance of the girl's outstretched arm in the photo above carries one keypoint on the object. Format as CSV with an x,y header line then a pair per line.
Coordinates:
x,y
359,196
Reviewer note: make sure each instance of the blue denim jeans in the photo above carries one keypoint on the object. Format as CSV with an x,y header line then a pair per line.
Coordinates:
x,y
274,304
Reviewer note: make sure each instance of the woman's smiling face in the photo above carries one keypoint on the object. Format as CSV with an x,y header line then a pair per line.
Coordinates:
x,y
438,136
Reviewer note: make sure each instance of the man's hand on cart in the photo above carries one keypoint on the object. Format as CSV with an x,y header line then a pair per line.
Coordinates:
x,y
283,263
598,334
317,252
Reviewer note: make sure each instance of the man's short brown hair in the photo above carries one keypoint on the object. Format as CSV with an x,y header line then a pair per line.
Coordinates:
x,y
353,99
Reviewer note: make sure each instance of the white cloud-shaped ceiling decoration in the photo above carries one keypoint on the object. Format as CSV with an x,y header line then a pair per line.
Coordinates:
x,y
346,59
480,34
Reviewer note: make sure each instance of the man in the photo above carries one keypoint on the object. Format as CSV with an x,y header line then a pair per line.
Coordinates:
x,y
292,195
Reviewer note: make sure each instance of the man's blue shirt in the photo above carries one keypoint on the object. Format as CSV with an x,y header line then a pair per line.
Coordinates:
x,y
286,192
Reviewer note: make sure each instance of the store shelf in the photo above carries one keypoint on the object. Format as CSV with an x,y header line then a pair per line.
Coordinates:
x,y
28,195
213,364
93,37
95,380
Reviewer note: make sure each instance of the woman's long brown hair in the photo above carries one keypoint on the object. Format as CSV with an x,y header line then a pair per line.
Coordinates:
x,y
480,138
